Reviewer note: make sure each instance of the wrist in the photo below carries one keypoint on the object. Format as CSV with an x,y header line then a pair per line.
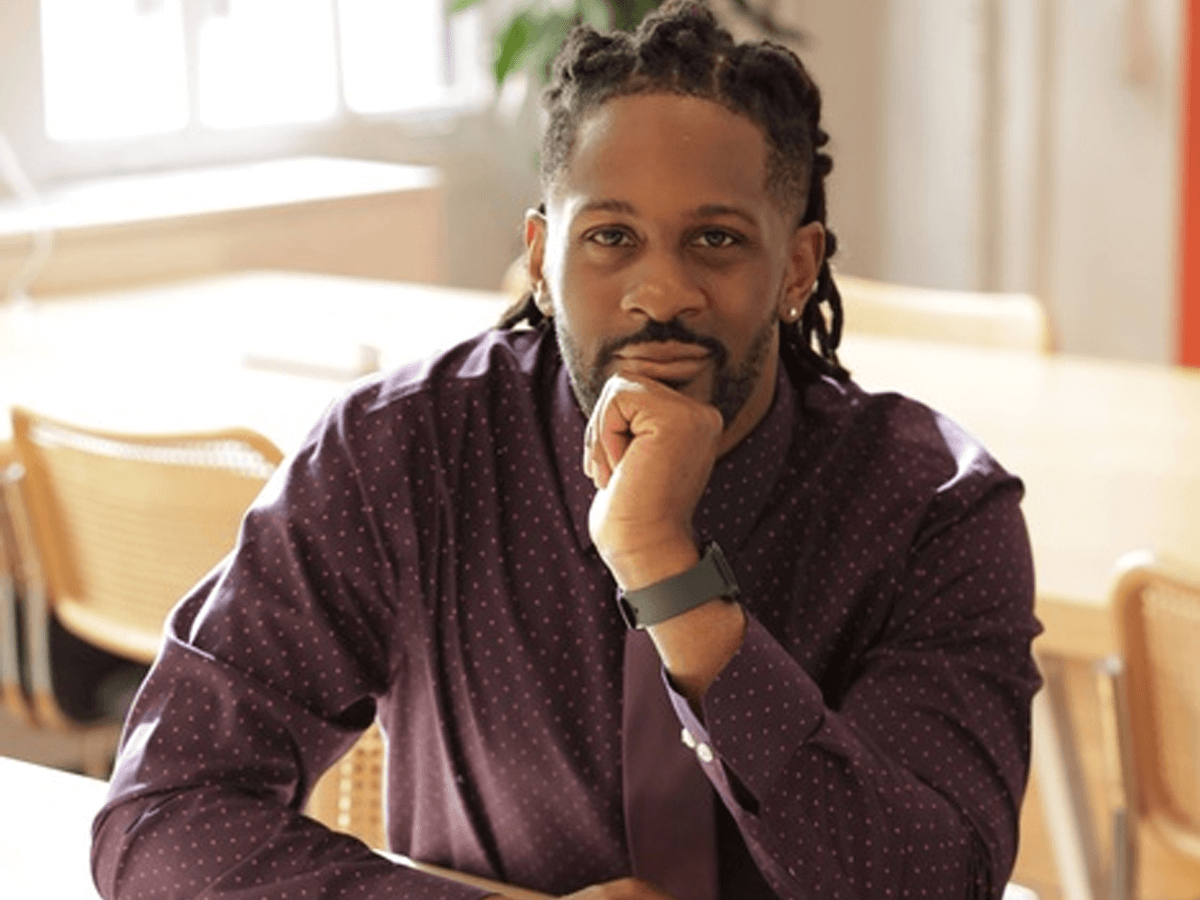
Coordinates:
x,y
647,565
710,578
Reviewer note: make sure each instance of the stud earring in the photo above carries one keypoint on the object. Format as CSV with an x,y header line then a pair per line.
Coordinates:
x,y
793,314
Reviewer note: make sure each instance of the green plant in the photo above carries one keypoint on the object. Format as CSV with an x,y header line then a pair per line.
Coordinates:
x,y
533,33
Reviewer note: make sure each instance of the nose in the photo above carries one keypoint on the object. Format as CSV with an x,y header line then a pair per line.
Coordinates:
x,y
661,288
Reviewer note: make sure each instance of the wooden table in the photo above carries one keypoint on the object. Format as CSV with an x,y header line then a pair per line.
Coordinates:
x,y
46,832
266,350
46,837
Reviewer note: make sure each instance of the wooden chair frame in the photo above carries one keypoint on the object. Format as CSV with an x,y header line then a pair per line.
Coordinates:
x,y
29,685
1141,718
1013,321
13,682
80,484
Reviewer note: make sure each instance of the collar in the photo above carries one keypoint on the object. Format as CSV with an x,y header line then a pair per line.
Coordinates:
x,y
742,479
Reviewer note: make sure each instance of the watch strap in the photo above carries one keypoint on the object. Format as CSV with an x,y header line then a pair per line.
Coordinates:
x,y
710,577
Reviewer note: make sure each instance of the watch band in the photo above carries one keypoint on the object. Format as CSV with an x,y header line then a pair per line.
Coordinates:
x,y
709,578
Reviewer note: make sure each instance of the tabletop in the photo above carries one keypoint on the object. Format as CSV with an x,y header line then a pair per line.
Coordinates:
x,y
46,837
1109,451
46,831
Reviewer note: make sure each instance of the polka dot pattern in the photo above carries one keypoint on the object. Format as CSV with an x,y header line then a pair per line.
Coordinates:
x,y
425,556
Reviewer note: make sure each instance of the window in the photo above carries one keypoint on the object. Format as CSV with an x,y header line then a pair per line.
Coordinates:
x,y
120,69
112,69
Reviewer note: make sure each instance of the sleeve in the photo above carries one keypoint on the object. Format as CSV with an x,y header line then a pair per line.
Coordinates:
x,y
267,675
910,782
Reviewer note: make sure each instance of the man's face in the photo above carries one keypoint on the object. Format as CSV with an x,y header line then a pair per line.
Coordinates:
x,y
663,255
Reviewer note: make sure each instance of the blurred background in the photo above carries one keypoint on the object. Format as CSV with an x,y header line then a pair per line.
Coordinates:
x,y
1014,145
222,212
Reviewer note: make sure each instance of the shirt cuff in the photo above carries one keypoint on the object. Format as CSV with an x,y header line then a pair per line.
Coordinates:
x,y
756,715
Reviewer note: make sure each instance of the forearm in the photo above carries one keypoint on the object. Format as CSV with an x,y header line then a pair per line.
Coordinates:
x,y
697,645
823,801
215,844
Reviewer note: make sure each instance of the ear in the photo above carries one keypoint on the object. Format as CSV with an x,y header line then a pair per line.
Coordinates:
x,y
806,255
535,255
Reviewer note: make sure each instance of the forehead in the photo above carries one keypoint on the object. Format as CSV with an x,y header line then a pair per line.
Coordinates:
x,y
650,149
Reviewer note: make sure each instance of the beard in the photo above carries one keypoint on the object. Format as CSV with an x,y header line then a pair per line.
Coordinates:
x,y
732,383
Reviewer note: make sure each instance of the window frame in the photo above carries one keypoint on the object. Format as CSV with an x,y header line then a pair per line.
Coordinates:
x,y
22,119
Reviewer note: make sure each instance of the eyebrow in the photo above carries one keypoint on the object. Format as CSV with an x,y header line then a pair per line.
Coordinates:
x,y
708,209
612,205
719,209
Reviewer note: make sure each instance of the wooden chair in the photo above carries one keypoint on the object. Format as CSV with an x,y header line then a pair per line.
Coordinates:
x,y
349,797
123,525
110,531
1156,706
85,738
1002,320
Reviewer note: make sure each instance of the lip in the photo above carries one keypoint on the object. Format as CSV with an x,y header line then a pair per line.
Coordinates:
x,y
666,352
667,362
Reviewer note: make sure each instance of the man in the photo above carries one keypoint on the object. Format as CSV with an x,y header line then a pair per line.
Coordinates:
x,y
840,709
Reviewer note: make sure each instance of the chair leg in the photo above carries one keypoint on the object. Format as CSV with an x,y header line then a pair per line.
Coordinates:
x,y
1122,786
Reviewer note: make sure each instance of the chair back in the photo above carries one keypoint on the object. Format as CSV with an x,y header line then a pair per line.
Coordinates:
x,y
1012,321
1157,605
349,797
12,681
123,525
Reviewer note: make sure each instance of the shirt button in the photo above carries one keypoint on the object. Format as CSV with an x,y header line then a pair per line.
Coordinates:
x,y
704,752
688,740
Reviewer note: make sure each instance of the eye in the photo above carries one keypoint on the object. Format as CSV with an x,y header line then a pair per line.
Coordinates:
x,y
716,238
609,237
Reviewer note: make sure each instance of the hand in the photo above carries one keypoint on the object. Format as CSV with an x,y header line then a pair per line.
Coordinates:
x,y
650,451
621,889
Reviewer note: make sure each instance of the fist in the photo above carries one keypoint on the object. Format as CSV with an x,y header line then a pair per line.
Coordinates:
x,y
650,451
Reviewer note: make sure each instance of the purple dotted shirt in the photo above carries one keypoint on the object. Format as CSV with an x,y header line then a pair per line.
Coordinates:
x,y
425,555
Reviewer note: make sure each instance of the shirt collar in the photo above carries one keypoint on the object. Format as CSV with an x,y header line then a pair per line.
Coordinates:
x,y
739,488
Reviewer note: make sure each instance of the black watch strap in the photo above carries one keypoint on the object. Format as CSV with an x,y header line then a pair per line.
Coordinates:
x,y
711,577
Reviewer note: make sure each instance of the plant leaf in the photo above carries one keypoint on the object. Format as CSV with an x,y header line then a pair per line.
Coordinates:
x,y
512,46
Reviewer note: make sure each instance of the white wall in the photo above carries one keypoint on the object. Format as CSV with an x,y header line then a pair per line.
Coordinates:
x,y
1023,145
1113,199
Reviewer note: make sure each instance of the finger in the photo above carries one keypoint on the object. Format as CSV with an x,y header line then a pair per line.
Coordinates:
x,y
595,465
614,417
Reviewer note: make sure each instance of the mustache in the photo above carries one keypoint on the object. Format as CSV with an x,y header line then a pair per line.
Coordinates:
x,y
653,331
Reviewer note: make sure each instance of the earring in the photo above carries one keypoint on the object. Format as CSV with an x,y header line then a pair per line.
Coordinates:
x,y
793,314
539,299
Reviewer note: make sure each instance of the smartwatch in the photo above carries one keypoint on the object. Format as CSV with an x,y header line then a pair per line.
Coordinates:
x,y
709,578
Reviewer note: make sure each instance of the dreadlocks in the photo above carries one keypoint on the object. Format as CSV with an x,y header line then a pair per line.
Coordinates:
x,y
680,49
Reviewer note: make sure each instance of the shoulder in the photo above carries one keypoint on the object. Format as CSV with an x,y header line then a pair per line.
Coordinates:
x,y
495,359
896,438
498,369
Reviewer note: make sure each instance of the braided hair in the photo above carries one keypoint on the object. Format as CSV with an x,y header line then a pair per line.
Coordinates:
x,y
681,49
